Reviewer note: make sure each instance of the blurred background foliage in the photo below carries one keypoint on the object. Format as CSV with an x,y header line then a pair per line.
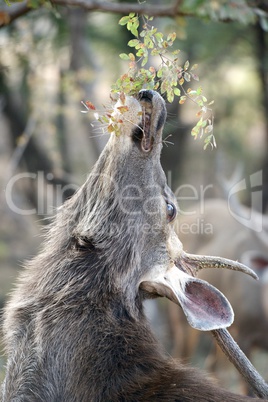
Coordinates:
x,y
54,55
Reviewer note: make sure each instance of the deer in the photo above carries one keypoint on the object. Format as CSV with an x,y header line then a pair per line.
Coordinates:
x,y
74,327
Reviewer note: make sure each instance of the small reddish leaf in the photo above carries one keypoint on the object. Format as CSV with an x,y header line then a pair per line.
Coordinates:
x,y
131,56
195,77
122,97
90,105
122,109
110,128
171,37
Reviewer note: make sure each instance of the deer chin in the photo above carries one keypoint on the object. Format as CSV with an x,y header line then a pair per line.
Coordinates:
x,y
204,306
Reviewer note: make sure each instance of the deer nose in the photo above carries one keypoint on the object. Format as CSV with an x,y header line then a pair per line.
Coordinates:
x,y
146,94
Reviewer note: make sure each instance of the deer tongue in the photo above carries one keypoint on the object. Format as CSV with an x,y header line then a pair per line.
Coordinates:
x,y
205,307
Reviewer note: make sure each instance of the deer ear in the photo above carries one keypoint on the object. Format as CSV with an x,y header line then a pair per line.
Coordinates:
x,y
205,307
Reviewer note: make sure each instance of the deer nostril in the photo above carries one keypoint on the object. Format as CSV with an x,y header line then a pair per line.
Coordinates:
x,y
146,94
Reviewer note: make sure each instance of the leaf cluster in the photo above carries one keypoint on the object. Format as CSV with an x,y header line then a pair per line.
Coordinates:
x,y
169,77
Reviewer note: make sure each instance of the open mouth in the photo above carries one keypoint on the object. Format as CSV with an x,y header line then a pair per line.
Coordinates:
x,y
147,138
153,116
143,135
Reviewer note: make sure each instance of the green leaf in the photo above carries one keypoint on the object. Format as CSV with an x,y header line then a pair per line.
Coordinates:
x,y
194,66
160,73
148,43
209,141
140,53
124,56
171,37
209,129
177,91
186,65
170,96
159,37
144,61
195,132
133,42
187,77
123,20
164,87
134,31
155,52
200,123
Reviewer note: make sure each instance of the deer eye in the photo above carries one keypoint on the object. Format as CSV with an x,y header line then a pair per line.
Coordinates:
x,y
171,212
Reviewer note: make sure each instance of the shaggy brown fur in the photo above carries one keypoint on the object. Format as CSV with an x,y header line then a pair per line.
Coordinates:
x,y
75,329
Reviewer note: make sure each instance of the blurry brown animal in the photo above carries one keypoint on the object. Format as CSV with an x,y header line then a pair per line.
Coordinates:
x,y
220,234
75,329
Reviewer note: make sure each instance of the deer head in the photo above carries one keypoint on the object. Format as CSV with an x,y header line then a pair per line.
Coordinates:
x,y
125,212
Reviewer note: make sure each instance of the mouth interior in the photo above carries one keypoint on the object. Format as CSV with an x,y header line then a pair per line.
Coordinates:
x,y
142,135
147,139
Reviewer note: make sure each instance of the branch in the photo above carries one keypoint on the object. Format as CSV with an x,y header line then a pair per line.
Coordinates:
x,y
8,16
124,8
11,13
